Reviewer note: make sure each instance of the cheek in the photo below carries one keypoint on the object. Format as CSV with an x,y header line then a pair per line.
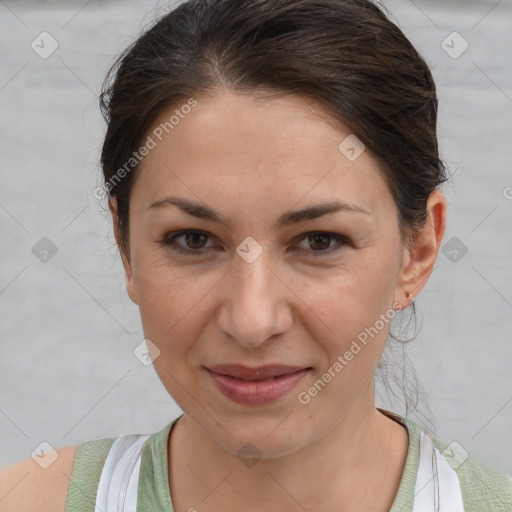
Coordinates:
x,y
349,322
353,293
350,312
333,305
167,301
170,316
172,302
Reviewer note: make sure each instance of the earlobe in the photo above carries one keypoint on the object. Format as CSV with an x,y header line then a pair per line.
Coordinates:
x,y
130,288
420,257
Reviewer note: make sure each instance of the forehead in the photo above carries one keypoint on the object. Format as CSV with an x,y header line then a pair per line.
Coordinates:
x,y
232,146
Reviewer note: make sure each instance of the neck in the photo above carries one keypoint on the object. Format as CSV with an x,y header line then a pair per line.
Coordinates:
x,y
358,463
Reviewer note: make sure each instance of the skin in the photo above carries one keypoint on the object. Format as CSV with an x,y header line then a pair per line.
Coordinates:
x,y
251,160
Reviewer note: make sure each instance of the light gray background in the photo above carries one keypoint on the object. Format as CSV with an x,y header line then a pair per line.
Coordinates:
x,y
67,326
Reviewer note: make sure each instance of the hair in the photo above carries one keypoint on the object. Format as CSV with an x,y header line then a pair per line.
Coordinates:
x,y
346,55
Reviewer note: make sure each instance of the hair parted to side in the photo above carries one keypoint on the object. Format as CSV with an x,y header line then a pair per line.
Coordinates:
x,y
345,54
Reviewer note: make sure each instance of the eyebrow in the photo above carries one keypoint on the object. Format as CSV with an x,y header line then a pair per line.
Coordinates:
x,y
204,212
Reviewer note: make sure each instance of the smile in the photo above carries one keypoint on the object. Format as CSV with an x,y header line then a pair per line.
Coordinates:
x,y
256,386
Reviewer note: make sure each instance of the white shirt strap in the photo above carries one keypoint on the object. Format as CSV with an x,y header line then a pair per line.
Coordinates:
x,y
118,486
437,484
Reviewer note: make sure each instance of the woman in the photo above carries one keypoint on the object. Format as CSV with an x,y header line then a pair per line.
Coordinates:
x,y
273,175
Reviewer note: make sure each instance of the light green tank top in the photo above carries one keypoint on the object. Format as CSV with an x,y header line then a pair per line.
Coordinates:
x,y
484,489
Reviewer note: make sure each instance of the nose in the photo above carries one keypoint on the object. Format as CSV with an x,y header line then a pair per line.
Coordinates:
x,y
255,305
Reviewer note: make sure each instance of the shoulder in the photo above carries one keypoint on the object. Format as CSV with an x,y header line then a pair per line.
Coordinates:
x,y
483,487
70,482
66,482
26,485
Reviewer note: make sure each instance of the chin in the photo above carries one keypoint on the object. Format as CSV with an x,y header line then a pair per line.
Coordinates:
x,y
267,436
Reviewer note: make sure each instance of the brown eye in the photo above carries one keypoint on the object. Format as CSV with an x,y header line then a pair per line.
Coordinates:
x,y
194,241
320,243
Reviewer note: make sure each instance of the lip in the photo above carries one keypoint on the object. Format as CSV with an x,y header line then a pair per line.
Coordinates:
x,y
258,385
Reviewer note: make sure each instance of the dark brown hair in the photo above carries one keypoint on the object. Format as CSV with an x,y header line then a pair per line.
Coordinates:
x,y
345,54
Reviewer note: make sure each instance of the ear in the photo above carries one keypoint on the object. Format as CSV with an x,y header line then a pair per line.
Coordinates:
x,y
130,288
420,257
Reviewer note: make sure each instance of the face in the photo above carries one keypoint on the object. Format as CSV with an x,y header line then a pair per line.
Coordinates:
x,y
253,284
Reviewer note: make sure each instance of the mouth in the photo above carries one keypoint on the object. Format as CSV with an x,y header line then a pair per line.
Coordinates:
x,y
256,386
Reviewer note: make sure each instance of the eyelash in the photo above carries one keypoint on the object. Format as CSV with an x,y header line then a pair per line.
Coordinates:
x,y
170,238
